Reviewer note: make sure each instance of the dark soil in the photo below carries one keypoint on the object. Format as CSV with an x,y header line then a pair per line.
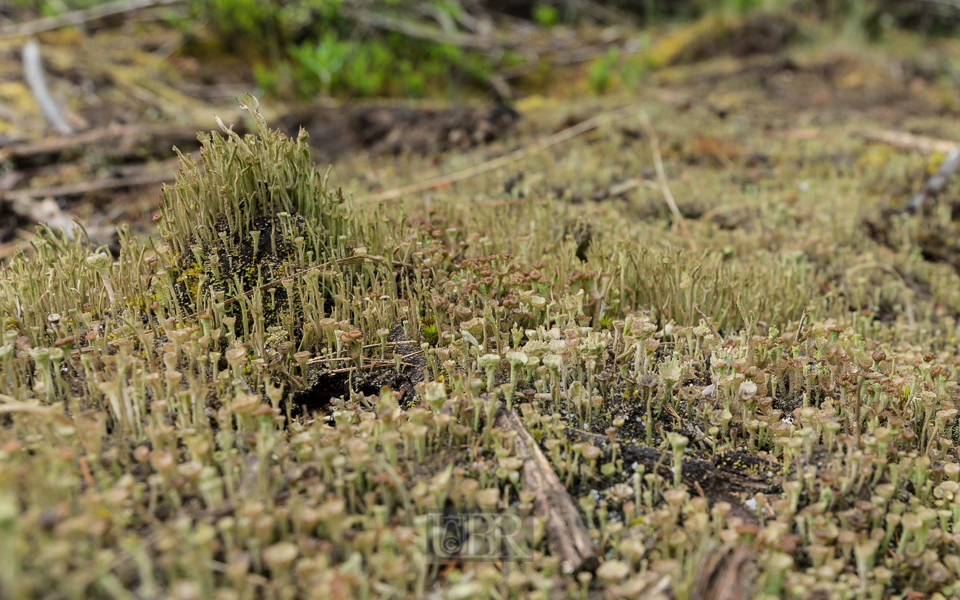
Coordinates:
x,y
384,129
938,241
326,385
255,265
759,34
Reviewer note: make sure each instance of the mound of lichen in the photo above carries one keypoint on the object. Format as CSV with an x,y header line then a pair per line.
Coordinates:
x,y
240,227
711,435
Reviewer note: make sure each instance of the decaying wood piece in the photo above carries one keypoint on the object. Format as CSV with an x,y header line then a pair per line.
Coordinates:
x,y
726,573
37,81
937,182
566,532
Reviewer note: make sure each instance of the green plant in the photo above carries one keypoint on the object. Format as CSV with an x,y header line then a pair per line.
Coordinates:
x,y
601,71
324,58
329,47
546,15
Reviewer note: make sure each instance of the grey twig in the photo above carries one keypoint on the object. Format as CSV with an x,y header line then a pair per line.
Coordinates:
x,y
79,16
33,72
937,183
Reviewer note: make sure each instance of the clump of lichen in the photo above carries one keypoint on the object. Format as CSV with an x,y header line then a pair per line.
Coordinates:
x,y
246,178
236,228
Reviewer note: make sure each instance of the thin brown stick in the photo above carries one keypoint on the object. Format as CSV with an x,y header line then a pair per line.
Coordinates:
x,y
367,362
490,165
368,366
85,471
566,533
803,317
378,345
79,189
105,135
709,322
77,17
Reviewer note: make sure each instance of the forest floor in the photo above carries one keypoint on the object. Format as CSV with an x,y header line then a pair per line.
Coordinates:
x,y
746,204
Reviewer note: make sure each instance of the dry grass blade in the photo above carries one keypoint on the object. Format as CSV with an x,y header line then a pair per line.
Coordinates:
x,y
661,174
538,146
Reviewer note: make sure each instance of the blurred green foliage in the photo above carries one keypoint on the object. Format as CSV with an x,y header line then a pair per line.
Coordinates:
x,y
320,46
546,15
414,48
601,71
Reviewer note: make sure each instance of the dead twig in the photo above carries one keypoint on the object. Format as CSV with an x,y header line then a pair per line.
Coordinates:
x,y
366,367
566,533
79,189
708,321
936,183
420,31
115,137
77,17
490,165
803,318
619,189
908,141
37,81
661,174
